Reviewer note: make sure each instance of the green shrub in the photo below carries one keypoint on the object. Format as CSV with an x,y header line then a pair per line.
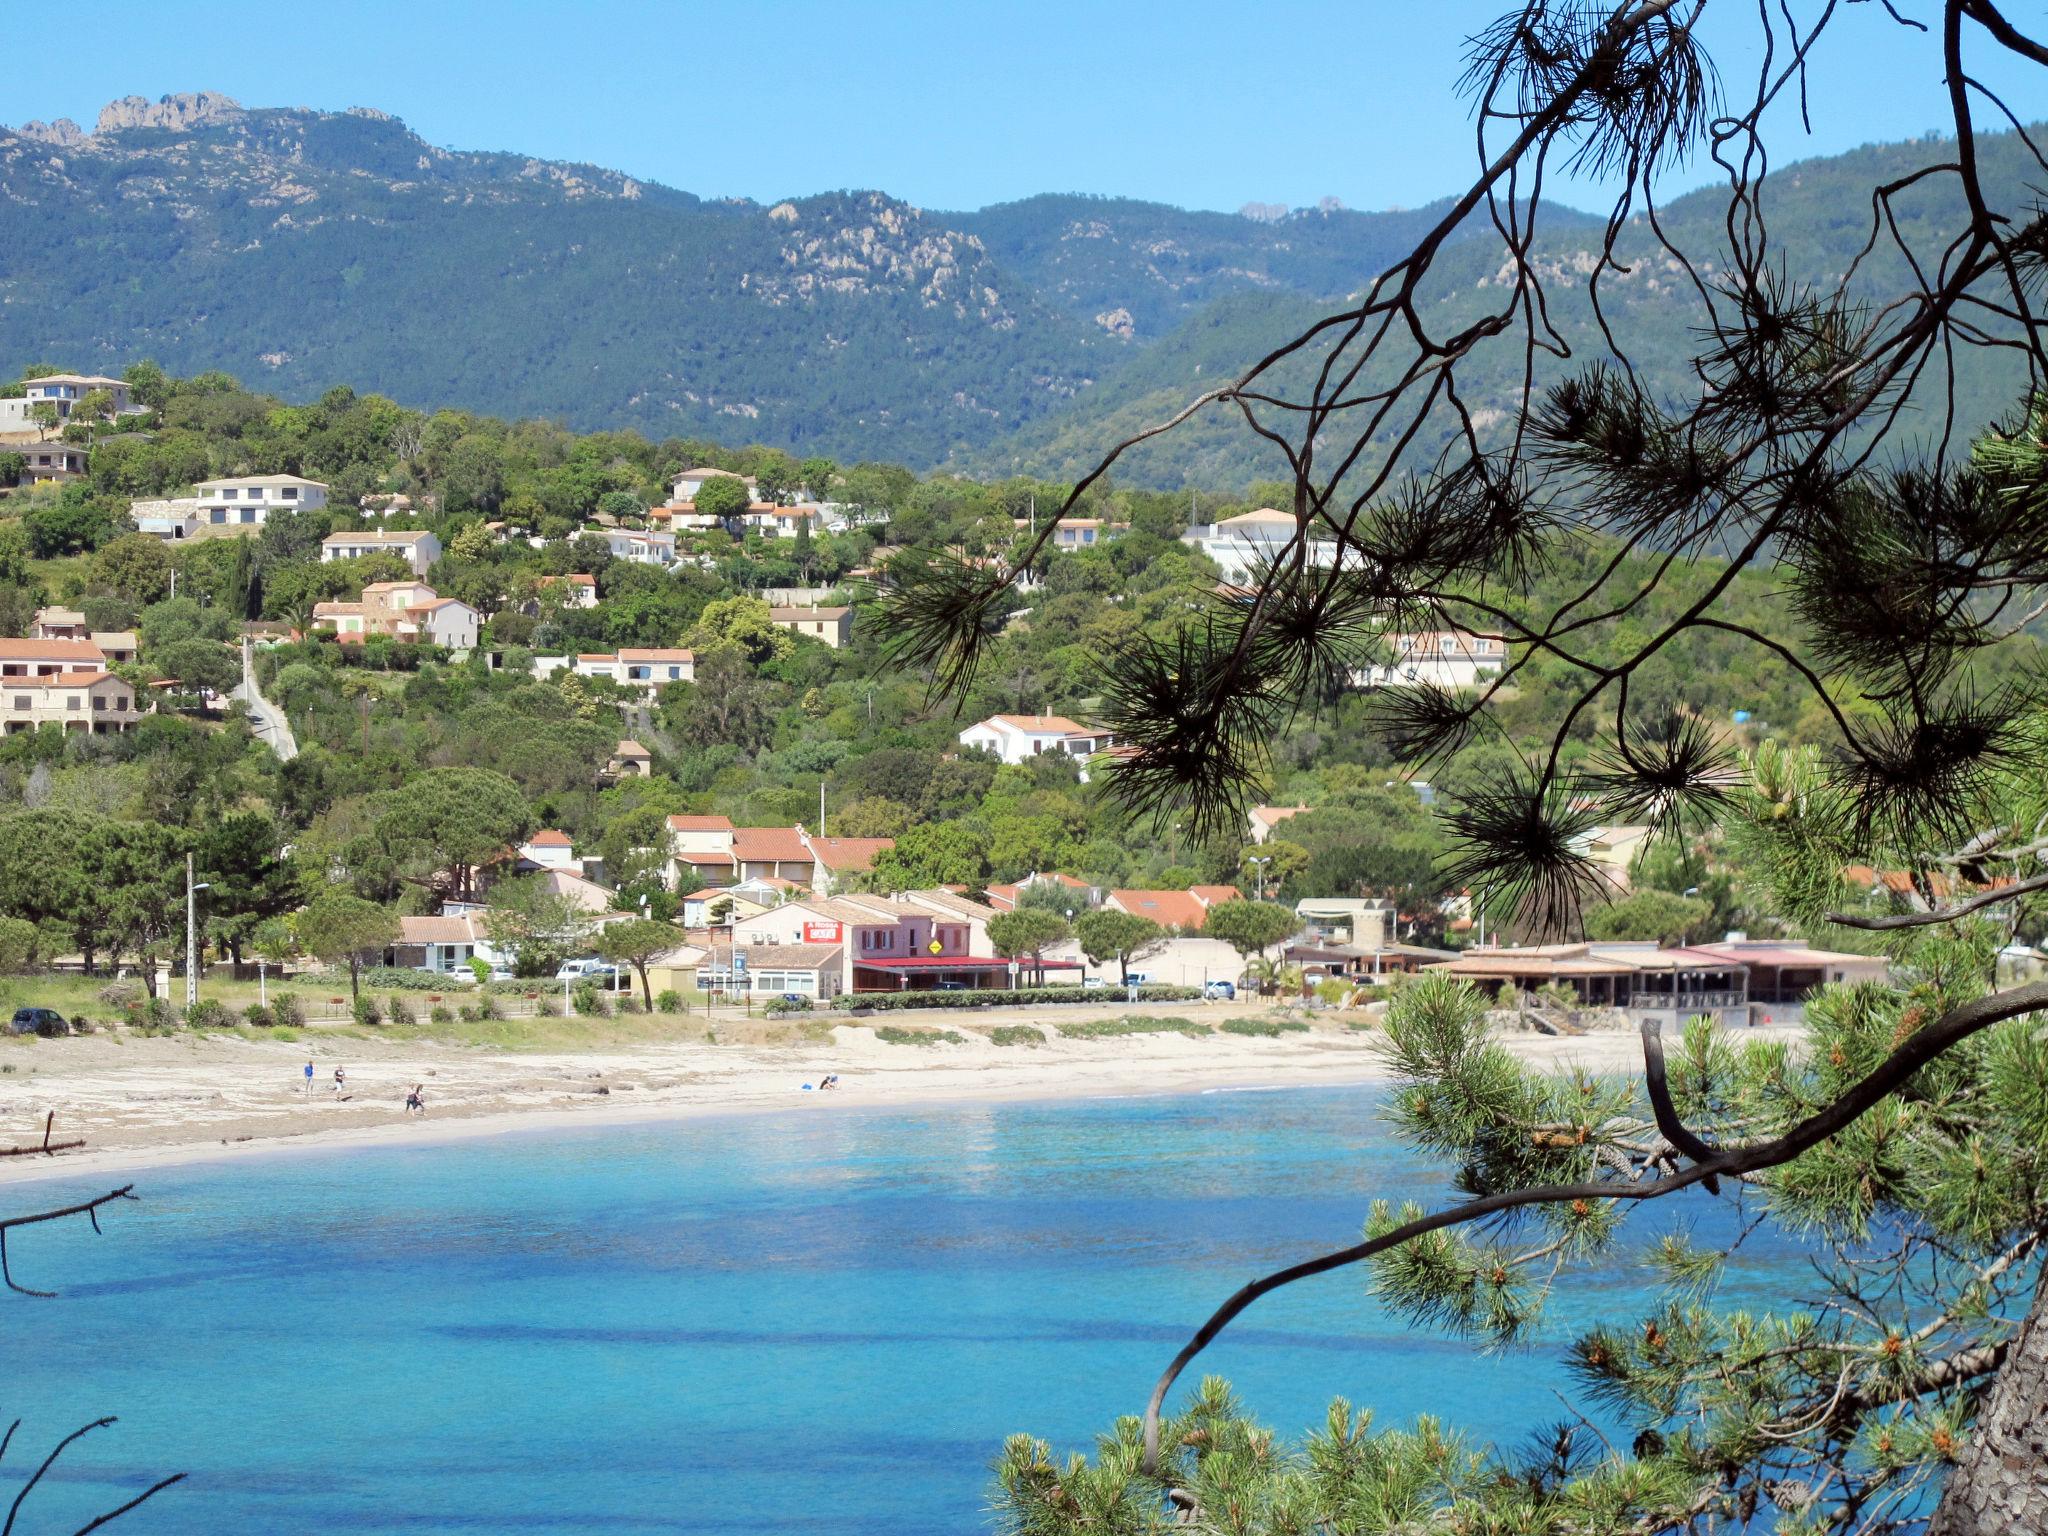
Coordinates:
x,y
894,1034
589,1000
1020,997
627,1002
397,978
366,1013
259,1017
1264,1029
81,1025
398,1009
545,1006
122,995
669,1000
1133,1024
288,1011
442,1014
787,1005
1017,1034
156,1014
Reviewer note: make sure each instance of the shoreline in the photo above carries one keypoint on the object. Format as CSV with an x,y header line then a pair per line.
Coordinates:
x,y
144,1104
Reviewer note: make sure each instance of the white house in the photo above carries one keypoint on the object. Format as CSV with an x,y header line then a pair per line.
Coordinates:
x,y
52,461
780,522
1246,546
64,391
1078,533
247,500
418,548
1019,738
641,548
689,482
1450,658
649,667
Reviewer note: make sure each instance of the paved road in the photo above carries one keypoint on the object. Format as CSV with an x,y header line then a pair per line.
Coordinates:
x,y
265,718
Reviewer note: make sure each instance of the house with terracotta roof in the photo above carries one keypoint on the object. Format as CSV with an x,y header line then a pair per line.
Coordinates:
x,y
630,760
648,668
637,546
92,702
721,854
1262,819
1183,910
912,941
410,611
1019,738
834,626
47,657
776,522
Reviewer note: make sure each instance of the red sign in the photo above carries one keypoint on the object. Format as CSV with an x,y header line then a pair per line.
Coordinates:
x,y
821,933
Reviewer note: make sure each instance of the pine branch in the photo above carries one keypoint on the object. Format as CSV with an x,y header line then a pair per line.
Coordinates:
x,y
1919,1049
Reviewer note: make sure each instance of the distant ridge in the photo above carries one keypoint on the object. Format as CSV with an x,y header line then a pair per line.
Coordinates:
x,y
300,249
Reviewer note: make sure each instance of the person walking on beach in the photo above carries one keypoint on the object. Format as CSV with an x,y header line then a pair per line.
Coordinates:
x,y
309,1079
340,1081
415,1102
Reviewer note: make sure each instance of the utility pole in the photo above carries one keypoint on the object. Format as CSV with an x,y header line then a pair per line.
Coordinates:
x,y
821,805
192,934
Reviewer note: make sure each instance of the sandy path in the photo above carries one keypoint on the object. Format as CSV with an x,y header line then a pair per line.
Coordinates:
x,y
145,1101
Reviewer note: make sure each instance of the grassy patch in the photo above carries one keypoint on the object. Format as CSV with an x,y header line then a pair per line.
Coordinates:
x,y
895,1034
1017,1034
1134,1024
1264,1029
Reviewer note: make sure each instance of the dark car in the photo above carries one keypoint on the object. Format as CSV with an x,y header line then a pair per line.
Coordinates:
x,y
38,1021
949,986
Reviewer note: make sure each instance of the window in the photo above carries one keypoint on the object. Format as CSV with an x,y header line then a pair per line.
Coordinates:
x,y
228,494
99,703
21,701
72,703
289,493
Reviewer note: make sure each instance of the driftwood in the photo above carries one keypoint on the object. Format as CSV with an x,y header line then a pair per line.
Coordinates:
x,y
49,1148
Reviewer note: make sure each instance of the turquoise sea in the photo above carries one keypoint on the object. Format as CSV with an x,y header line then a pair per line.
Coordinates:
x,y
825,1319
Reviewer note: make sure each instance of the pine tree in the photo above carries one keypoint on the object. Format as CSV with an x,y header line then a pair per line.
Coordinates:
x,y
1811,444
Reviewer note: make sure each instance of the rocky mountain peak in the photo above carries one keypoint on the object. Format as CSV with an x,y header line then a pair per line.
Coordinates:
x,y
180,109
63,133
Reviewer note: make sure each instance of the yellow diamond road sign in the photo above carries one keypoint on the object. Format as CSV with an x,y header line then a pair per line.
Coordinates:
x,y
936,947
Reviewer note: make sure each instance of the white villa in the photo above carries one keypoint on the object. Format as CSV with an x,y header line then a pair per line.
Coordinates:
x,y
834,626
418,548
648,548
1451,658
1246,546
1019,738
64,391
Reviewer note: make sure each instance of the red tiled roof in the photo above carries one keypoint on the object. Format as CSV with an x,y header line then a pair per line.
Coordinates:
x,y
780,845
699,824
1175,909
550,838
49,650
849,854
1209,895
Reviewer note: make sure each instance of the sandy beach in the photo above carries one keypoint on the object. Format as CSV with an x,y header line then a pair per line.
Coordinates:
x,y
146,1101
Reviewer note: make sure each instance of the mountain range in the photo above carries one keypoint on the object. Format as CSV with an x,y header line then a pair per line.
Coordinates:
x,y
301,249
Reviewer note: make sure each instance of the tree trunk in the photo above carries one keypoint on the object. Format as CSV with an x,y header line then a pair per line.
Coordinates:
x,y
2000,1483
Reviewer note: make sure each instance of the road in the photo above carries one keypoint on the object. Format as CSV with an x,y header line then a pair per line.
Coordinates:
x,y
265,718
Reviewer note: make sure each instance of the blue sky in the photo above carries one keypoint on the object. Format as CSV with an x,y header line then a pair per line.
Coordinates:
x,y
1204,103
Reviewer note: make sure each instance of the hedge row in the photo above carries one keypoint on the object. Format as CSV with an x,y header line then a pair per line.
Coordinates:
x,y
1008,997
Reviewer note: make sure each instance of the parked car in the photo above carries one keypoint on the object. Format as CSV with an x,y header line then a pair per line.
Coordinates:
x,y
1223,991
1095,984
38,1021
949,986
577,970
1139,979
795,997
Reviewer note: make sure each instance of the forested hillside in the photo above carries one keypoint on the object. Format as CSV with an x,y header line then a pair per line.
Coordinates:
x,y
305,250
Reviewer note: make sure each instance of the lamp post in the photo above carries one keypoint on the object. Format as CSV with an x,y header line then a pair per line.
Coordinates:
x,y
192,933
1259,877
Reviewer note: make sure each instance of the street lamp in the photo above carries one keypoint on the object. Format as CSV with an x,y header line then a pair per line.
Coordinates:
x,y
192,934
1259,878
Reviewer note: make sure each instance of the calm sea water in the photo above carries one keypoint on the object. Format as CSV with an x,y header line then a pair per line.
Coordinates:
x,y
824,1320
